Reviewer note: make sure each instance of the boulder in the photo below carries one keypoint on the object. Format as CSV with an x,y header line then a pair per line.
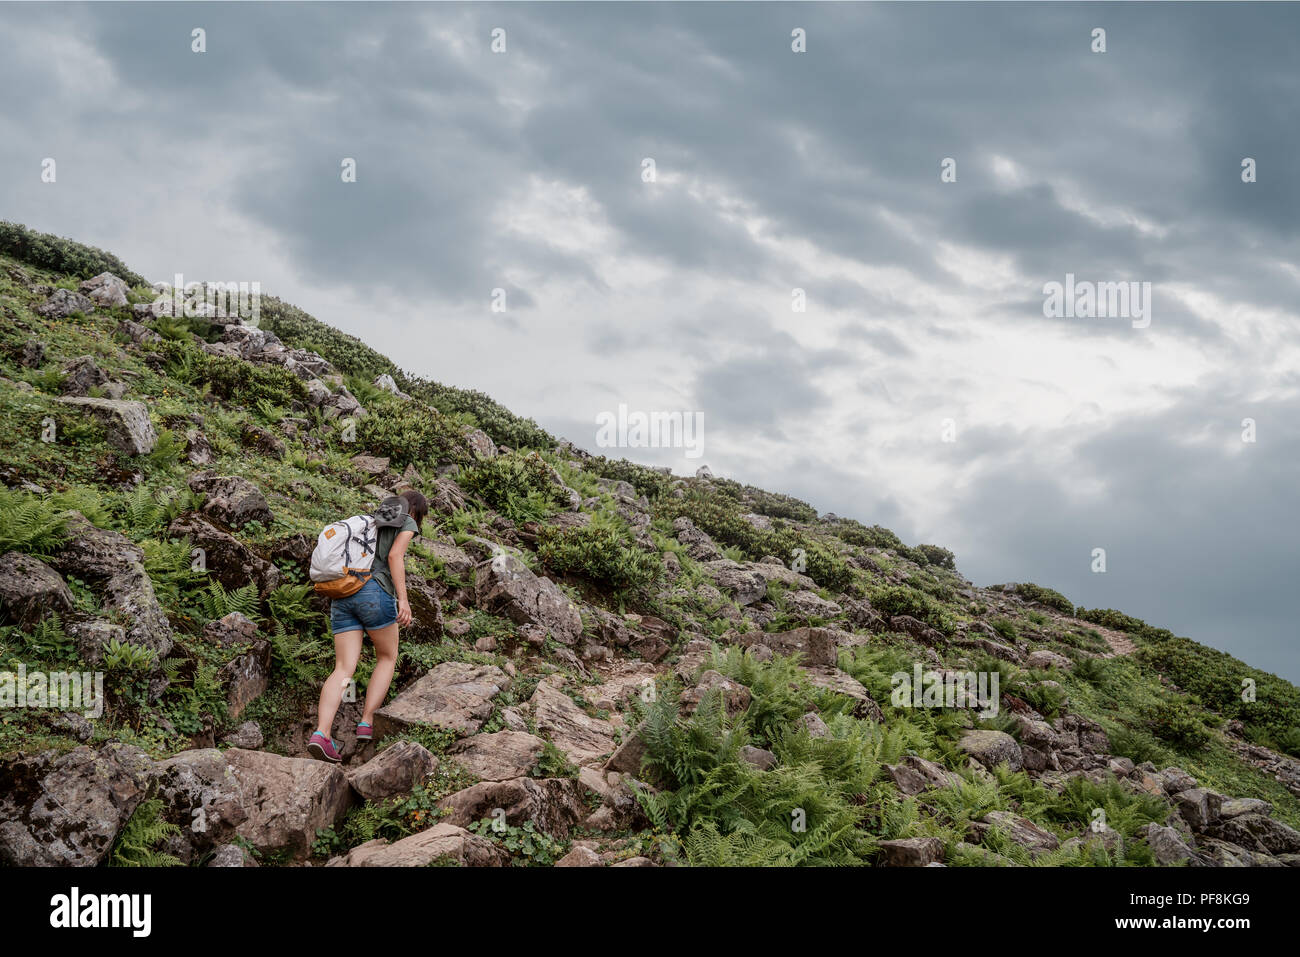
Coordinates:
x,y
553,805
626,758
231,499
580,856
917,629
813,724
1043,660
1235,807
126,422
734,695
584,739
287,800
66,810
991,748
499,756
225,558
115,565
393,771
30,590
105,290
202,796
805,605
506,586
480,444
247,736
233,630
245,678
1166,845
454,695
81,375
1019,830
1258,833
699,545
743,584
816,647
231,855
63,303
911,852
443,842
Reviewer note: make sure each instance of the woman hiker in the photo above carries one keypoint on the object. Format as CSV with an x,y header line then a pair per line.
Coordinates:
x,y
377,610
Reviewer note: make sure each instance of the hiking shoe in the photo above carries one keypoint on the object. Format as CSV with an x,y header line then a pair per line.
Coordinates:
x,y
324,749
365,733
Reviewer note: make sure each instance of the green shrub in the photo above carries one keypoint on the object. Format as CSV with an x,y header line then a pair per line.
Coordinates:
x,y
602,554
411,433
1172,721
901,600
1045,596
935,555
52,253
246,383
1005,628
519,485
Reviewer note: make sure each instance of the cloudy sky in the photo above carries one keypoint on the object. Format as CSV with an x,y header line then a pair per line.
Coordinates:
x,y
775,170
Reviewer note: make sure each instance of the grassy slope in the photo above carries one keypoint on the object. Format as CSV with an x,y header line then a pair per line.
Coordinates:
x,y
839,780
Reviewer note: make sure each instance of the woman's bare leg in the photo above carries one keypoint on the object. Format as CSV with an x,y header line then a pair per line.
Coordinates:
x,y
385,640
347,651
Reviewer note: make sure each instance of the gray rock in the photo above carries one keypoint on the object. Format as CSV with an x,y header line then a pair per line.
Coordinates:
x,y
66,810
30,590
105,290
63,303
991,748
126,422
231,499
911,852
506,586
442,842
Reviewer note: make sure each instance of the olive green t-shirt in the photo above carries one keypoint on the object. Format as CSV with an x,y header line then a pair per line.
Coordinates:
x,y
383,544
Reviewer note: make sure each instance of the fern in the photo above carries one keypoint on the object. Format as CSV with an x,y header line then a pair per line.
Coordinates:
x,y
137,845
30,524
217,602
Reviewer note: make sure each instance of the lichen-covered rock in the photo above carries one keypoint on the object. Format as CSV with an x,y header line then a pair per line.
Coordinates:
x,y
126,422
991,748
30,590
506,586
499,756
66,810
231,499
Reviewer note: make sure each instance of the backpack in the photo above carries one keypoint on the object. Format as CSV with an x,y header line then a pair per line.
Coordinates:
x,y
345,550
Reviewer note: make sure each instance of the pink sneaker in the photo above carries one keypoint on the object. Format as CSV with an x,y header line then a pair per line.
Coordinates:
x,y
365,733
324,749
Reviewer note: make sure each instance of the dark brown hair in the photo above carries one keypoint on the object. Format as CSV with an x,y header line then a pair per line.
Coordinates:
x,y
417,506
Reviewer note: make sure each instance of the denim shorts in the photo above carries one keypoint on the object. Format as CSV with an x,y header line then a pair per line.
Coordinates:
x,y
369,609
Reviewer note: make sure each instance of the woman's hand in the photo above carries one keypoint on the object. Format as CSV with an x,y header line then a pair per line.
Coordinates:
x,y
403,612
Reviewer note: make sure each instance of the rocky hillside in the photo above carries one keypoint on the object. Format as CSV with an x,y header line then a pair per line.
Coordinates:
x,y
609,665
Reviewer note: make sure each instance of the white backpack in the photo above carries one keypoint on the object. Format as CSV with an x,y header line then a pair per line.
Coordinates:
x,y
345,550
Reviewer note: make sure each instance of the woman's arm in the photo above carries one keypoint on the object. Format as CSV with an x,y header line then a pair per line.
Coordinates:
x,y
397,568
